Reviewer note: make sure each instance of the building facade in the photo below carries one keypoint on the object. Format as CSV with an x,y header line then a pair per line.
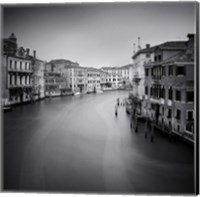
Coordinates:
x,y
17,69
54,80
126,76
38,79
103,80
93,80
114,76
138,71
80,79
169,87
73,78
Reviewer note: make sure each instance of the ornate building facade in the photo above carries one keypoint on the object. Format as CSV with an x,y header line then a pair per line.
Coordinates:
x,y
17,73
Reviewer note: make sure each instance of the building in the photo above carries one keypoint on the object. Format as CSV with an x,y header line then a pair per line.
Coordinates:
x,y
103,80
55,80
38,80
126,76
138,72
114,76
80,79
169,87
93,80
17,73
74,77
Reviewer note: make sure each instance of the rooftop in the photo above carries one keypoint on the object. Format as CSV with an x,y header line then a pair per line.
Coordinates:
x,y
171,45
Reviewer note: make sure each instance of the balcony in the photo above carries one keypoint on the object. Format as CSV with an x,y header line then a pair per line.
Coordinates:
x,y
162,101
155,100
19,70
169,102
20,86
156,79
136,78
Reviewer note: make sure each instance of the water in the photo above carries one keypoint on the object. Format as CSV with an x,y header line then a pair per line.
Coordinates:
x,y
76,144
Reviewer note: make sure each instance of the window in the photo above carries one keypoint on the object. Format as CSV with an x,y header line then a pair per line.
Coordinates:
x,y
147,55
190,96
170,124
178,95
20,80
20,65
190,127
163,71
10,79
180,70
163,92
151,71
15,64
190,115
146,72
151,91
170,93
178,114
146,90
10,63
15,79
170,71
169,115
159,57
155,58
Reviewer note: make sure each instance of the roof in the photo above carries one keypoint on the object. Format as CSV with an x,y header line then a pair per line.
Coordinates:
x,y
116,67
126,66
93,69
145,50
108,68
63,61
171,45
184,56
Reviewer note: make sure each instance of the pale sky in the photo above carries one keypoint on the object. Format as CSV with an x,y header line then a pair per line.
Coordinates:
x,y
97,34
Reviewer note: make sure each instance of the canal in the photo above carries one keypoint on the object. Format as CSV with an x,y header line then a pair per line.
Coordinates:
x,y
76,144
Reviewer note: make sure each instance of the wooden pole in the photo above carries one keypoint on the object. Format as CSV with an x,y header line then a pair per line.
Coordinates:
x,y
146,128
152,132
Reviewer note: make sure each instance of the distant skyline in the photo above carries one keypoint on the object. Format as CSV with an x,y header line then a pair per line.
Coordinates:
x,y
97,34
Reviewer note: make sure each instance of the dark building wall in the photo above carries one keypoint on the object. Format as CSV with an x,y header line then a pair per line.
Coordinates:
x,y
4,74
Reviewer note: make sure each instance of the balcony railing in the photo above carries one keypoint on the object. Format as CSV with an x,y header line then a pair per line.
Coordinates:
x,y
20,70
19,85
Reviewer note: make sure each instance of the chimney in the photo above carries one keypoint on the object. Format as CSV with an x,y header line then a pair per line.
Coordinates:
x,y
27,52
190,41
190,36
133,48
147,46
34,54
139,47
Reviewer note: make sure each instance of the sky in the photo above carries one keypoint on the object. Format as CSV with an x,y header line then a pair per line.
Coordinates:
x,y
97,34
